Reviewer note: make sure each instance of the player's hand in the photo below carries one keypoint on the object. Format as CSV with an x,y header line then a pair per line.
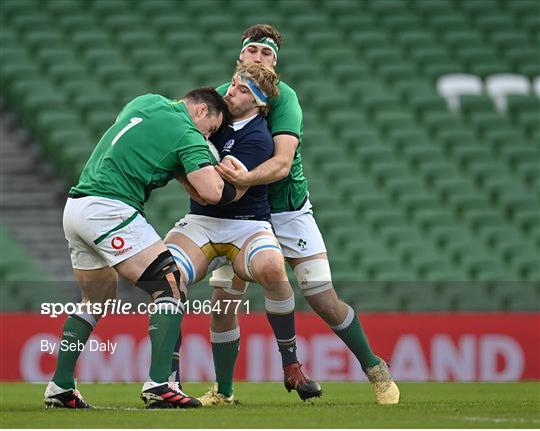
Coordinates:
x,y
193,194
236,175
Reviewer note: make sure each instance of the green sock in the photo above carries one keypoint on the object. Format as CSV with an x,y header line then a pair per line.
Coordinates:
x,y
76,331
225,347
354,337
163,329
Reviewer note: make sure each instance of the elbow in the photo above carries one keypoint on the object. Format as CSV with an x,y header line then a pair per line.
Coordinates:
x,y
213,195
212,201
283,171
212,198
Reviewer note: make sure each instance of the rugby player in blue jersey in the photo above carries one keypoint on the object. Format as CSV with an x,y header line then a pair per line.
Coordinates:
x,y
240,233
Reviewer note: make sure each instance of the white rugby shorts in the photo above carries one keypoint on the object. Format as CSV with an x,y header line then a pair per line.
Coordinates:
x,y
219,239
297,232
104,232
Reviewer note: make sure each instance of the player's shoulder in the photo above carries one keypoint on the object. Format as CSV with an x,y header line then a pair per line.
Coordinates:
x,y
145,104
286,89
287,96
259,125
172,113
163,115
150,97
257,130
286,92
144,101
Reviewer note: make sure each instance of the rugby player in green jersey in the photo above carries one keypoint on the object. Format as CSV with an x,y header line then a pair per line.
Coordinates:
x,y
152,141
294,225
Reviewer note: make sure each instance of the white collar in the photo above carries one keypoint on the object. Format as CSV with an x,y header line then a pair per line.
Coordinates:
x,y
237,125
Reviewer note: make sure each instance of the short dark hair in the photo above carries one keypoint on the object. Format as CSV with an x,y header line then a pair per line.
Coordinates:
x,y
260,31
213,100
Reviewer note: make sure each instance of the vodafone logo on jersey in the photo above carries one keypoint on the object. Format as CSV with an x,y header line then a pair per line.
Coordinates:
x,y
118,242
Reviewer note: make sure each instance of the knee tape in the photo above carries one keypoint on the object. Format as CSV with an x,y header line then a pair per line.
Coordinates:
x,y
256,245
222,278
313,276
163,276
183,262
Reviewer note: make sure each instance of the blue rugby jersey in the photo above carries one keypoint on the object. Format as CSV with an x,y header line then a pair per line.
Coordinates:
x,y
252,145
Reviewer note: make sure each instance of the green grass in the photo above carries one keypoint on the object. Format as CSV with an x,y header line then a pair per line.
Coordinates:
x,y
268,405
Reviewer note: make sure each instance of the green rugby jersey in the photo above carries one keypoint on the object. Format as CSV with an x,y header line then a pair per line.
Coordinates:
x,y
285,117
152,141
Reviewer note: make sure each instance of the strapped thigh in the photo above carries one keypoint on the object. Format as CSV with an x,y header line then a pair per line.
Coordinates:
x,y
184,263
314,276
256,245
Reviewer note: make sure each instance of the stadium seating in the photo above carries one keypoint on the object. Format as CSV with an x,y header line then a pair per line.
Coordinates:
x,y
24,285
452,86
502,85
421,121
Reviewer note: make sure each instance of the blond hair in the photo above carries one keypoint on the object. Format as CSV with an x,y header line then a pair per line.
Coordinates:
x,y
263,77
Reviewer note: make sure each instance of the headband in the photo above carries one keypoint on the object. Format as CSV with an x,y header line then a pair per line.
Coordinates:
x,y
258,94
267,42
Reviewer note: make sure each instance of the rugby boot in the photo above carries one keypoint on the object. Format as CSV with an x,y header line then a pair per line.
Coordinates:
x,y
386,390
166,396
214,398
57,397
175,381
297,380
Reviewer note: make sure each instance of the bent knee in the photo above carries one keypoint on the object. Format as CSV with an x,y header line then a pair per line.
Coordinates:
x,y
269,267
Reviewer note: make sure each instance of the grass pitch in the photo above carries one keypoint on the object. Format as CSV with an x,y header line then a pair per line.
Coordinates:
x,y
268,405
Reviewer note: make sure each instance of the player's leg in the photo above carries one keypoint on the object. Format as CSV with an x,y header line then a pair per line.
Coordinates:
x,y
314,277
97,286
261,260
315,280
97,282
304,248
213,241
218,241
224,335
225,338
147,262
193,266
155,271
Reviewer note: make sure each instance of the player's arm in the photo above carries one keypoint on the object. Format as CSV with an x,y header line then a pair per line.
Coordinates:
x,y
274,169
199,183
200,173
233,163
193,194
229,193
211,187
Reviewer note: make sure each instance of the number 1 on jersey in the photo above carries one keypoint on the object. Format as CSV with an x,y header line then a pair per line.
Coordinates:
x,y
132,123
